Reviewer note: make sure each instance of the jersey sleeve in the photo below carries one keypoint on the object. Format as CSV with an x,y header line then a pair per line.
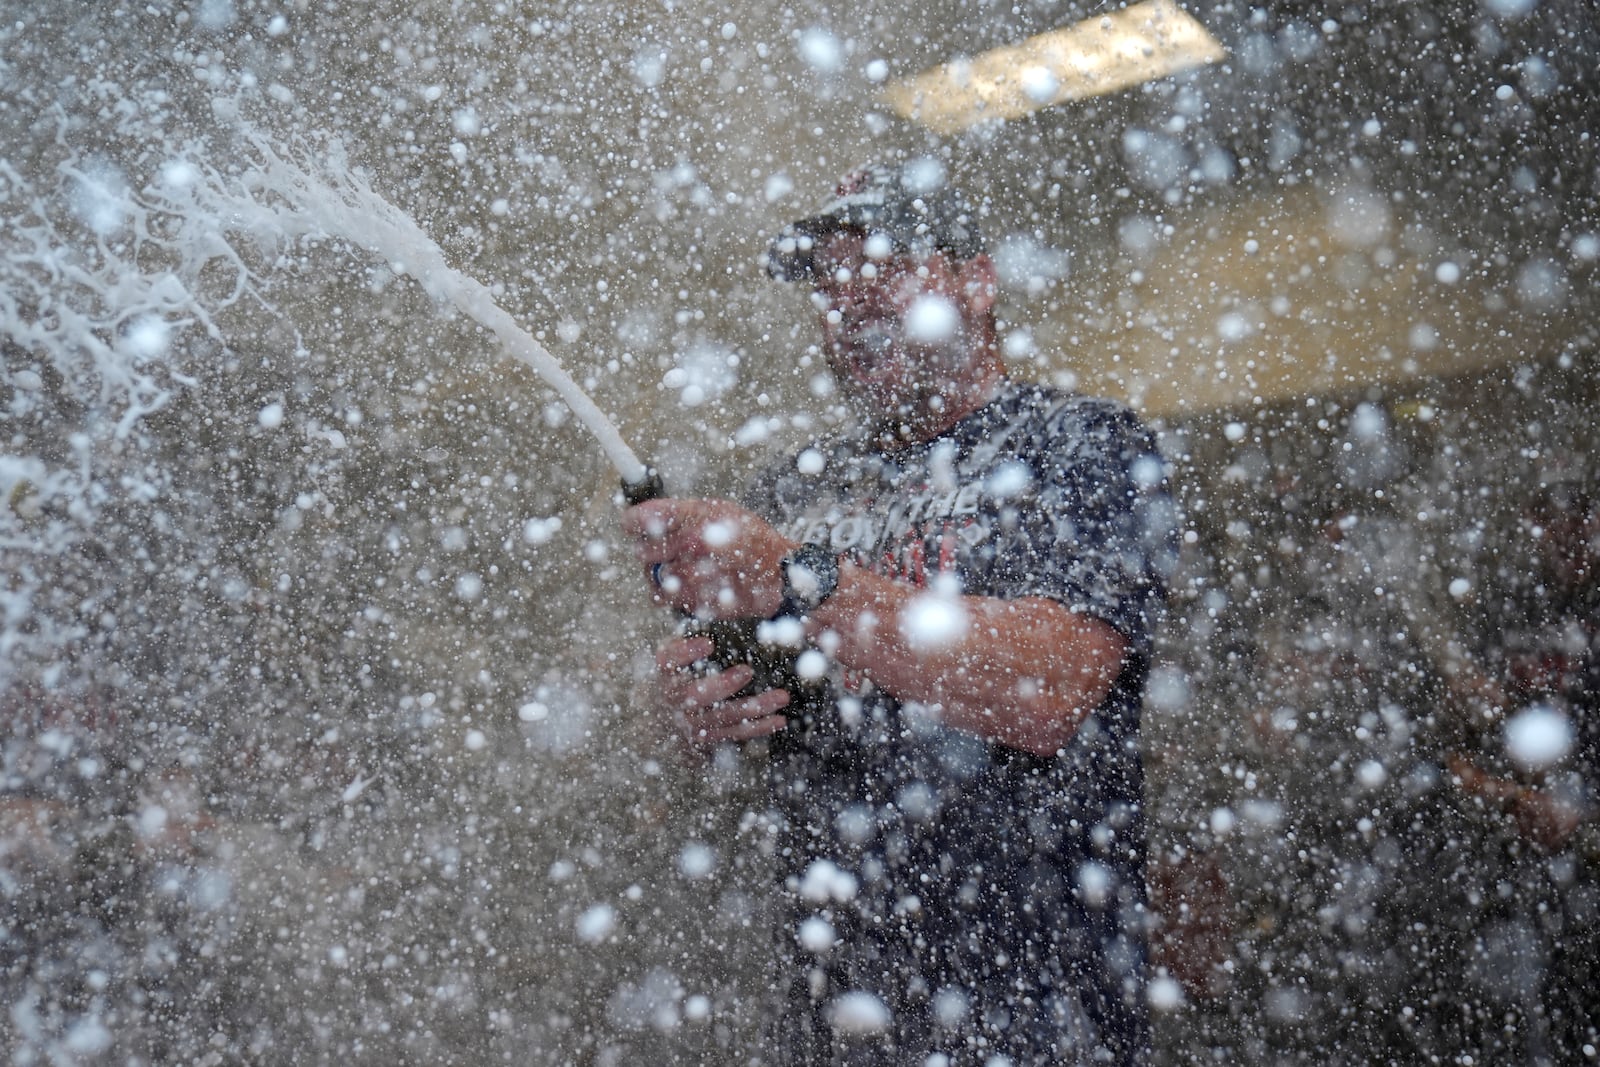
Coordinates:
x,y
1098,532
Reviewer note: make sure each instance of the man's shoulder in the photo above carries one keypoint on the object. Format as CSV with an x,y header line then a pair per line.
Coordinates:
x,y
1065,415
787,478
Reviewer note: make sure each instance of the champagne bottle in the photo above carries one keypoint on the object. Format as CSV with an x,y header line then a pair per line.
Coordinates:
x,y
736,641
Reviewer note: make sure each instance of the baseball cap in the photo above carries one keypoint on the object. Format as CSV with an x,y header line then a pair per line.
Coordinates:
x,y
911,203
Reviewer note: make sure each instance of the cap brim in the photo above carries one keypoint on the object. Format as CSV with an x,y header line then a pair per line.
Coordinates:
x,y
789,258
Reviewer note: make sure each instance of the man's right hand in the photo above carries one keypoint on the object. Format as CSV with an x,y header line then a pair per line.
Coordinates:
x,y
702,704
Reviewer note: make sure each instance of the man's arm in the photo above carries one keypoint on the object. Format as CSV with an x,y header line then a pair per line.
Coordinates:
x,y
1022,672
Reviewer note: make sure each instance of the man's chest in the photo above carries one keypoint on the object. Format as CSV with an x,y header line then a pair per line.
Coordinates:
x,y
908,527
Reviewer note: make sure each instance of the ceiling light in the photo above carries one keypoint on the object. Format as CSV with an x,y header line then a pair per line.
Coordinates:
x,y
1098,55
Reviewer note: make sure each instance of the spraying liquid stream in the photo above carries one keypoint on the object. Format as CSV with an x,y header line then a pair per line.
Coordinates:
x,y
281,195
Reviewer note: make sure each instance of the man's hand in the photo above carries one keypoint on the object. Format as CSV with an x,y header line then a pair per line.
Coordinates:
x,y
709,558
1542,817
702,706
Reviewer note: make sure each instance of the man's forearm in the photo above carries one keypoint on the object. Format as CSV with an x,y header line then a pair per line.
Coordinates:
x,y
1021,672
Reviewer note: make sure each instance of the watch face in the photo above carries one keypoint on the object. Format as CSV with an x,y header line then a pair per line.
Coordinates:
x,y
810,575
803,582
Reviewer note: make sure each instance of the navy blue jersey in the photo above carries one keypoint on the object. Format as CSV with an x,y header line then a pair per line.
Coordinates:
x,y
981,900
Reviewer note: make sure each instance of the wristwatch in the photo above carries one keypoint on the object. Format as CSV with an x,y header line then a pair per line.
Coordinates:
x,y
810,575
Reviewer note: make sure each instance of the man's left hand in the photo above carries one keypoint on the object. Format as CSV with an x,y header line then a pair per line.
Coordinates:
x,y
709,558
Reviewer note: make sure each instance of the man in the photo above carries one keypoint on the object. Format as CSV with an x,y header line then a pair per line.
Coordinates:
x,y
978,564
1526,710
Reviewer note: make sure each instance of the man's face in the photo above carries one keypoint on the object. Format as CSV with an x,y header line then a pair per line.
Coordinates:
x,y
896,327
